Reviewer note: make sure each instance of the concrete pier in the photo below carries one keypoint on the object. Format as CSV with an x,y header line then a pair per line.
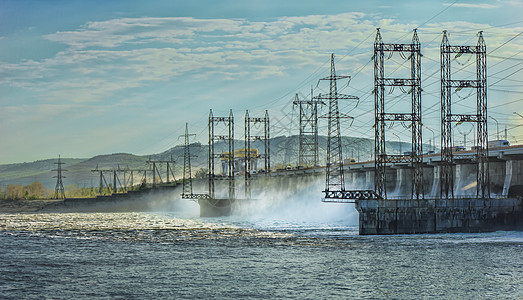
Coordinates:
x,y
410,216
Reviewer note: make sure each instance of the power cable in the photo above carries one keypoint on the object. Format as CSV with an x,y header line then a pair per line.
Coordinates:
x,y
505,43
505,77
450,5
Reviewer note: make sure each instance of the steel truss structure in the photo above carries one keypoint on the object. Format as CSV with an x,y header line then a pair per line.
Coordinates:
x,y
59,191
116,179
187,192
334,176
228,122
308,139
156,170
252,122
129,181
480,118
411,52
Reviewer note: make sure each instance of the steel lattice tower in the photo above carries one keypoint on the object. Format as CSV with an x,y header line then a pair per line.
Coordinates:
x,y
116,179
334,181
252,121
413,52
308,139
59,191
102,181
168,170
155,170
187,180
480,118
267,139
229,138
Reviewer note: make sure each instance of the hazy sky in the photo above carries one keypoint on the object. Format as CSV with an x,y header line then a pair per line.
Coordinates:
x,y
80,78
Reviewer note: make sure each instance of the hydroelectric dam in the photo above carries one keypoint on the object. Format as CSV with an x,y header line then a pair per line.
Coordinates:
x,y
400,213
410,192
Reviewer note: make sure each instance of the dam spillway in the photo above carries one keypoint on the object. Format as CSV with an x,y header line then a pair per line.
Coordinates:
x,y
401,214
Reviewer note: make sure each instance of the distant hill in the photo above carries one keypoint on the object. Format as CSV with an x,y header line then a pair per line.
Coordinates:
x,y
284,151
27,172
78,171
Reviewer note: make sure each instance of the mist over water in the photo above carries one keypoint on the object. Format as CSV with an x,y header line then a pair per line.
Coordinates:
x,y
276,204
298,204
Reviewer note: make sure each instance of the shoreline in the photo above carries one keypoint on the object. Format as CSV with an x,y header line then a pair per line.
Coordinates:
x,y
30,206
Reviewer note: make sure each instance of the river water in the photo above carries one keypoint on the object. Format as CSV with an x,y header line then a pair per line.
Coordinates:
x,y
176,255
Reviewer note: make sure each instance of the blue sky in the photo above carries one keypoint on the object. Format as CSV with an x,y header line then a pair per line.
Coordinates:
x,y
81,78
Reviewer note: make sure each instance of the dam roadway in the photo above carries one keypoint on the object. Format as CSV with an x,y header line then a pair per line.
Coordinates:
x,y
506,173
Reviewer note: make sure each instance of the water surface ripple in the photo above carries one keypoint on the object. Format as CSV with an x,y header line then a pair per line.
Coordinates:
x,y
161,255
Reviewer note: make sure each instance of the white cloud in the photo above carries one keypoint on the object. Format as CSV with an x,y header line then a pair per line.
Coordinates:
x,y
127,53
118,32
511,2
472,5
109,57
106,63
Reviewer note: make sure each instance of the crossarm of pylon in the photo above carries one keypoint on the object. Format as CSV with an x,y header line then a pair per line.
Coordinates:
x,y
309,102
256,120
406,117
460,118
338,96
400,47
397,82
462,49
335,77
464,83
221,137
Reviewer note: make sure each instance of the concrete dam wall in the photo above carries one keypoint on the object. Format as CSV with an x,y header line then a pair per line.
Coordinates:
x,y
465,212
399,213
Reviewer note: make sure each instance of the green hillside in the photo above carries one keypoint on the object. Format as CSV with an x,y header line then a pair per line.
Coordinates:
x,y
284,151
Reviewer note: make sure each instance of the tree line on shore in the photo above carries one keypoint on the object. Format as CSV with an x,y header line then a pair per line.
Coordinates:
x,y
36,190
